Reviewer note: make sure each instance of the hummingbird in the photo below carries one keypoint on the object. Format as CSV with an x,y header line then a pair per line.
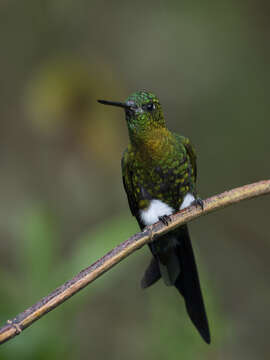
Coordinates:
x,y
159,176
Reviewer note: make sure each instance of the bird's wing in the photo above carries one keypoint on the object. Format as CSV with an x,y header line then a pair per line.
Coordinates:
x,y
128,184
190,151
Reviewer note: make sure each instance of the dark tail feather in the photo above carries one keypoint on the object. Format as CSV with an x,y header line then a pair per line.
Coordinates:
x,y
152,274
189,286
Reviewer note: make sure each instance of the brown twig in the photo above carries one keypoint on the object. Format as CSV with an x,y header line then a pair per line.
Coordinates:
x,y
23,320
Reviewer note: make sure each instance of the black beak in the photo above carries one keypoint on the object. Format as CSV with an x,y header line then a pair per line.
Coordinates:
x,y
114,103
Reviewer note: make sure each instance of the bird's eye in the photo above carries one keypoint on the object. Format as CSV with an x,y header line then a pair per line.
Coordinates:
x,y
150,106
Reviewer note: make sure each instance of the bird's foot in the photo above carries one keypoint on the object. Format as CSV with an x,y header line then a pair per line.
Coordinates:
x,y
198,202
165,219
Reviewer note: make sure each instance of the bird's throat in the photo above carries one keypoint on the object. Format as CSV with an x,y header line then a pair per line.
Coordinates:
x,y
153,144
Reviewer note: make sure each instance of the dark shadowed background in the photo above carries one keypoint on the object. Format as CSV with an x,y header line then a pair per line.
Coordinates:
x,y
62,204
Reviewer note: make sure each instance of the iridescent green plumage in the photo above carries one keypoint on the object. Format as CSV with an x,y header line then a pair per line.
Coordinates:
x,y
166,172
159,173
157,162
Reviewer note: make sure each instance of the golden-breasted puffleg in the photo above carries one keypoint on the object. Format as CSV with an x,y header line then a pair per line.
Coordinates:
x,y
159,176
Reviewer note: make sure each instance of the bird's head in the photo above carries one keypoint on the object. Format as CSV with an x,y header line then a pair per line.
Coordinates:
x,y
143,113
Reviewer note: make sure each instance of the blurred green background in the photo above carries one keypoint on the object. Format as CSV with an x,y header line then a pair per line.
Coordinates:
x,y
62,202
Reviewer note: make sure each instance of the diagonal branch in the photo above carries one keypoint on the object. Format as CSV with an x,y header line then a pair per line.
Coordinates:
x,y
23,320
